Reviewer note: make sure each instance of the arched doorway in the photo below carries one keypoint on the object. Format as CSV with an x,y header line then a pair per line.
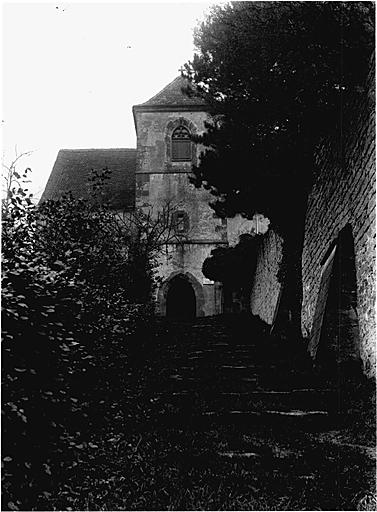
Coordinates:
x,y
180,300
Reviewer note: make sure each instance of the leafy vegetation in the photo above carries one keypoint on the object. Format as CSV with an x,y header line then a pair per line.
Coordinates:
x,y
234,267
278,77
77,300
298,64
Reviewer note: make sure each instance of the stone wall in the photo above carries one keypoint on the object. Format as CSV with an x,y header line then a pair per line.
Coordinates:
x,y
154,129
266,288
161,182
344,194
238,225
187,259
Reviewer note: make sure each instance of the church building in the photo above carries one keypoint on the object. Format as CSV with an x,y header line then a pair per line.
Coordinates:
x,y
156,174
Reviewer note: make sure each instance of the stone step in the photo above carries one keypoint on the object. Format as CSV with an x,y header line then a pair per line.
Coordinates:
x,y
223,370
203,400
237,367
206,384
235,379
202,361
201,352
239,455
223,383
231,349
270,454
230,359
218,351
313,420
291,380
291,391
228,379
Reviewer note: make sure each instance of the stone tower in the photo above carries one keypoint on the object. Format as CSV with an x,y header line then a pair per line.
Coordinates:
x,y
165,155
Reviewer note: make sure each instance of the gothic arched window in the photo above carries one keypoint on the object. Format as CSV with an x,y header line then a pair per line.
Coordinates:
x,y
181,145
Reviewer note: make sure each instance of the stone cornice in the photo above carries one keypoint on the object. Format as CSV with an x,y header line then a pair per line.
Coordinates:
x,y
198,242
171,108
170,171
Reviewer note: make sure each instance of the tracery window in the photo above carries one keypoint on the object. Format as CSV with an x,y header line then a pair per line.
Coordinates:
x,y
181,145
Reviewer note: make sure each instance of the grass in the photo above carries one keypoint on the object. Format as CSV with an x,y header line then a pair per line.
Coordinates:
x,y
182,470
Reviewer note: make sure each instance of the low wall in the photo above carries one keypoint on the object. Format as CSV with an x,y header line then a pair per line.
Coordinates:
x,y
266,288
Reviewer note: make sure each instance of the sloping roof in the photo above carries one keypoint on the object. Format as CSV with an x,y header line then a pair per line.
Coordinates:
x,y
172,95
72,170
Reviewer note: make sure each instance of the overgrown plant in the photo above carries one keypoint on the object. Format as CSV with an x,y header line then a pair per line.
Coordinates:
x,y
76,303
234,267
13,181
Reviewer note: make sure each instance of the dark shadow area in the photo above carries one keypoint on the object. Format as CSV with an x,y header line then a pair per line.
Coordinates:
x,y
181,301
338,354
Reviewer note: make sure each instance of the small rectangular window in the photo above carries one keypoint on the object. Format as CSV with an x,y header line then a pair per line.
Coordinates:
x,y
180,222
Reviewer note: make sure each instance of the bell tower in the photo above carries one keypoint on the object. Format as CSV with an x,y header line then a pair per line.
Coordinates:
x,y
165,155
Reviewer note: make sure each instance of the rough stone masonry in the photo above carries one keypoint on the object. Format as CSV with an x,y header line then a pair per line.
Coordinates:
x,y
343,196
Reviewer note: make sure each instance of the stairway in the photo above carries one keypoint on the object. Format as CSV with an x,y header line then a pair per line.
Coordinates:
x,y
230,371
240,419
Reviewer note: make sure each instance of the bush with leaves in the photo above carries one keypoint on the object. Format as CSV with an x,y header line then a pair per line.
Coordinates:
x,y
233,266
77,288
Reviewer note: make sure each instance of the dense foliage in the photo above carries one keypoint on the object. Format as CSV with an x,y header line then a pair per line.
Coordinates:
x,y
76,297
233,266
278,77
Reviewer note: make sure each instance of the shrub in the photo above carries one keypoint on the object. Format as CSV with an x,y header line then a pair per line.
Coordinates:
x,y
77,289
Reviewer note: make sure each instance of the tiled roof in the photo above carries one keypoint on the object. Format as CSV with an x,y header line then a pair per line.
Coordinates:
x,y
172,95
72,169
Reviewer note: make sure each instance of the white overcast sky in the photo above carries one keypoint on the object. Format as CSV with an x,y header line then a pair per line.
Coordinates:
x,y
73,71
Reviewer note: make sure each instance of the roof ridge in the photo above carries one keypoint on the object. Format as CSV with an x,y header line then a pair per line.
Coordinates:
x,y
172,95
97,149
